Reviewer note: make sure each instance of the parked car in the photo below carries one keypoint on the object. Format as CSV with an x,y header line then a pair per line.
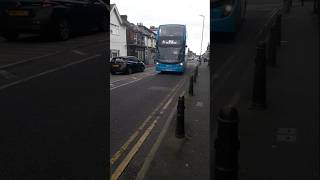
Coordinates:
x,y
58,18
126,64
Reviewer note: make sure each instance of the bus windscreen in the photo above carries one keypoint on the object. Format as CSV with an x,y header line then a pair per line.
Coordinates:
x,y
171,30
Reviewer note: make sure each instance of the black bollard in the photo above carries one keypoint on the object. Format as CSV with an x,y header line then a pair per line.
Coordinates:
x,y
195,75
180,118
273,46
197,67
287,4
227,145
278,25
191,86
259,82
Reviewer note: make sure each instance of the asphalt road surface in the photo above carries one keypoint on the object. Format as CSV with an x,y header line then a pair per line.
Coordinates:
x,y
140,105
33,54
53,102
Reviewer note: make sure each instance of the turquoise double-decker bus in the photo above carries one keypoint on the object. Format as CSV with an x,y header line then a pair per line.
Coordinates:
x,y
171,48
226,16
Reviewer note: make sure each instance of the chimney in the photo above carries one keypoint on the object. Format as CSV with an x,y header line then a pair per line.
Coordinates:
x,y
124,17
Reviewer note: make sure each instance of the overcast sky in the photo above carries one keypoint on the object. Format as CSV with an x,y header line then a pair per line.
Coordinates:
x,y
157,12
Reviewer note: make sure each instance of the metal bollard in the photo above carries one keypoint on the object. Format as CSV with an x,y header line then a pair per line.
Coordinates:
x,y
195,75
191,86
273,46
286,4
315,6
180,118
197,70
278,25
259,83
227,145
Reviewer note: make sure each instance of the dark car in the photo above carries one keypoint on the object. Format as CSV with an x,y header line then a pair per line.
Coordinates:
x,y
126,64
57,18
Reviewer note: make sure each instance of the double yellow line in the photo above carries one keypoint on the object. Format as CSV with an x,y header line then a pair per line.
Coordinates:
x,y
123,164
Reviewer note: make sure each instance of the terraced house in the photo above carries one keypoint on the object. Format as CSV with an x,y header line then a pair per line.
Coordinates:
x,y
141,41
118,35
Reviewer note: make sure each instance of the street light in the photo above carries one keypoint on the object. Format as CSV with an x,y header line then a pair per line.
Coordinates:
x,y
202,33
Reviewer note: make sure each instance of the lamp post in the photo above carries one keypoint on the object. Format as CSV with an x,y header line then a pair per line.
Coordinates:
x,y
202,33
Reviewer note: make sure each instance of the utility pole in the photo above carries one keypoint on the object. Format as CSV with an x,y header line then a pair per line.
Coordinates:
x,y
202,33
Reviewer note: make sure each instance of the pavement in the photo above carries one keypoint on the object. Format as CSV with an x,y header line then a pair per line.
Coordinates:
x,y
278,143
186,158
282,141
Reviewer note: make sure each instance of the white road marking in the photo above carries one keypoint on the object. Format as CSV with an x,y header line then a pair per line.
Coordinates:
x,y
119,80
136,78
124,84
79,52
30,59
49,71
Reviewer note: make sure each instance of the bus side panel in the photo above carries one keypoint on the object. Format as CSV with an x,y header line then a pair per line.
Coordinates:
x,y
226,24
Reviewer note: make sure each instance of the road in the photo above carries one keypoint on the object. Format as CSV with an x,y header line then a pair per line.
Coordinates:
x,y
53,107
140,104
32,54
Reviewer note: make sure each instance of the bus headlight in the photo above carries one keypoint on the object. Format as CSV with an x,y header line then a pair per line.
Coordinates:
x,y
157,63
227,9
181,64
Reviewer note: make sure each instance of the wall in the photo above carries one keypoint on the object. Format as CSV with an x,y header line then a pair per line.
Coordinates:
x,y
118,42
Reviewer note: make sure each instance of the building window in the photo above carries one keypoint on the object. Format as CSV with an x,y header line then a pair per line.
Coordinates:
x,y
114,53
114,29
135,38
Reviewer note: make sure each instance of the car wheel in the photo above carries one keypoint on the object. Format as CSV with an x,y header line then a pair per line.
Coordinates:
x,y
129,71
62,30
142,68
103,25
10,36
